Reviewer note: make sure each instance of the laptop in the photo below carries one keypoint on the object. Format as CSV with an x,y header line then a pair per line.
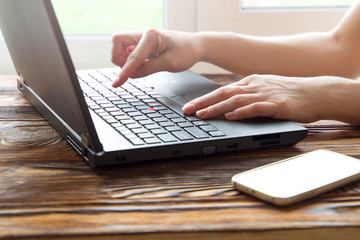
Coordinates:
x,y
140,121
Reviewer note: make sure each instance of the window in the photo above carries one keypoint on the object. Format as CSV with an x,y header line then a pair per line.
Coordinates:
x,y
107,16
88,24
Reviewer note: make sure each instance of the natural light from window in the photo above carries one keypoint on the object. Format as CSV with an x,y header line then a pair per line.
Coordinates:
x,y
295,3
108,16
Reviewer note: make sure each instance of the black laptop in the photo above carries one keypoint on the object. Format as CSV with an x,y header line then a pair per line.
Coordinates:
x,y
140,121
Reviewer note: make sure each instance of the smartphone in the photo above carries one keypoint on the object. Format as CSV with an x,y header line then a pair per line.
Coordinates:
x,y
298,178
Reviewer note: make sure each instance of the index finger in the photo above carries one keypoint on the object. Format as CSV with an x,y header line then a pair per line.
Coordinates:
x,y
144,50
212,98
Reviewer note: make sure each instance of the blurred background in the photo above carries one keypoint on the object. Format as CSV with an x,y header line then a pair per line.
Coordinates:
x,y
88,24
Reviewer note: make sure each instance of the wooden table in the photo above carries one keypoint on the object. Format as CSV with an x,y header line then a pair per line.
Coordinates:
x,y
48,191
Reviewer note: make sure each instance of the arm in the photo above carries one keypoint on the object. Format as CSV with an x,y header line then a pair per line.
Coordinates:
x,y
312,54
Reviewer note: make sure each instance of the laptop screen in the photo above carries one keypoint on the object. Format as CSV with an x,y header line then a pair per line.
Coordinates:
x,y
41,59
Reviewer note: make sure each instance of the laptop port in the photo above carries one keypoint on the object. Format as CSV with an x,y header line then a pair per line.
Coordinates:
x,y
232,146
209,150
121,158
267,140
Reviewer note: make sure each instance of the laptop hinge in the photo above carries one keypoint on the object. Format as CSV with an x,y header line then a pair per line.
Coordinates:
x,y
84,139
21,78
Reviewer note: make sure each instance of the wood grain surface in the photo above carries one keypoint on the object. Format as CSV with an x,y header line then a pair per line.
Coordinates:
x,y
48,191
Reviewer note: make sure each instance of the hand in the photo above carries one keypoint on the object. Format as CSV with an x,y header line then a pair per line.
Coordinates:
x,y
297,99
142,53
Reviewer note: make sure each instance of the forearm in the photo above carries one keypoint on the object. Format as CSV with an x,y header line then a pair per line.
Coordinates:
x,y
312,54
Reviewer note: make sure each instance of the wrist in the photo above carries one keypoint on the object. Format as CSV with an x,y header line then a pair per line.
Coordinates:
x,y
201,45
344,102
212,46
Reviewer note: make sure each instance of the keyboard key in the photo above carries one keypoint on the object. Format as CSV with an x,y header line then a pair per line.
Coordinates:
x,y
152,126
173,128
134,114
116,98
112,109
128,134
217,134
154,115
152,140
117,113
200,123
140,130
102,101
160,119
192,118
140,118
128,121
122,117
136,103
133,126
147,111
159,131
111,120
141,107
167,137
173,115
123,105
107,105
208,128
166,124
136,141
146,135
197,132
116,125
166,111
94,107
178,120
146,122
127,110
185,124
182,135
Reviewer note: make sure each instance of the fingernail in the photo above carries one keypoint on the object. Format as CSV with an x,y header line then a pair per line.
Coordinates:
x,y
202,113
188,108
115,84
130,49
230,115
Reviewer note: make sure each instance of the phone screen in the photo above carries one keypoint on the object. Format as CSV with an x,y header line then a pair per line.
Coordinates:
x,y
297,175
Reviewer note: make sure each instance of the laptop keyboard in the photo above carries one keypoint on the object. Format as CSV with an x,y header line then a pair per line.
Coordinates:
x,y
136,111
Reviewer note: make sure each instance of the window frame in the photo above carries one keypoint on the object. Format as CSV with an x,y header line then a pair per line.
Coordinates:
x,y
281,21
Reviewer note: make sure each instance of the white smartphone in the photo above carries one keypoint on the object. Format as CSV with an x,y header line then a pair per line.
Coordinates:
x,y
298,178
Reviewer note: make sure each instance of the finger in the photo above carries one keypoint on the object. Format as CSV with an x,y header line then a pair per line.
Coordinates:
x,y
120,42
212,98
145,48
130,49
258,109
227,105
152,66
